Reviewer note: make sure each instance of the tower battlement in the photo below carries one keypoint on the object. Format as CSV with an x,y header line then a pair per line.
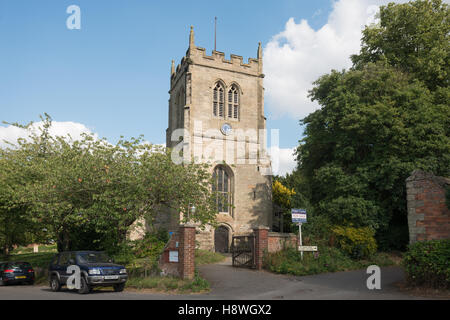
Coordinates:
x,y
198,56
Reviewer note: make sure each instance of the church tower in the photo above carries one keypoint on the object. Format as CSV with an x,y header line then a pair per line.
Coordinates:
x,y
216,110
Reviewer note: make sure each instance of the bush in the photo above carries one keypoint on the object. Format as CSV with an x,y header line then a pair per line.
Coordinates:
x,y
317,230
289,261
327,259
427,263
358,243
151,246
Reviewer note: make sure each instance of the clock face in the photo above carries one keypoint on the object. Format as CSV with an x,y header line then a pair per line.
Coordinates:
x,y
226,129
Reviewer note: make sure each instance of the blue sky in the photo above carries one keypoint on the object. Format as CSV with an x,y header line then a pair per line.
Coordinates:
x,y
112,76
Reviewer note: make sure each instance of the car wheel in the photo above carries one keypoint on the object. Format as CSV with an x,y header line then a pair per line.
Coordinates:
x,y
84,286
55,285
2,283
119,287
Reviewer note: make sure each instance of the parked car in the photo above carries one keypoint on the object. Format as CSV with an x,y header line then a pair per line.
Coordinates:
x,y
16,272
96,268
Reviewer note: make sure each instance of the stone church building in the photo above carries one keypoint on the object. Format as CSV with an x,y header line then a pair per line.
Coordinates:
x,y
216,110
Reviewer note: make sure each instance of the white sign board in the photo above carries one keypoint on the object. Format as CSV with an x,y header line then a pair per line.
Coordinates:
x,y
173,256
307,248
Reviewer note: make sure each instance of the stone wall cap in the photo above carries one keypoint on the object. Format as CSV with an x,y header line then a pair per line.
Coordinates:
x,y
261,228
188,225
423,175
281,234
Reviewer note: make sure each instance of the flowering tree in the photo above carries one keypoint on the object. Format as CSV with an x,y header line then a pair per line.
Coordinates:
x,y
92,190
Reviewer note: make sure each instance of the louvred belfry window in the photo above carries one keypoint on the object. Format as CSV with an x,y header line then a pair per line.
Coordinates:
x,y
218,101
233,103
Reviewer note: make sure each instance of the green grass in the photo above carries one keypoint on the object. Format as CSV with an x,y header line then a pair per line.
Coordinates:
x,y
170,284
203,257
328,259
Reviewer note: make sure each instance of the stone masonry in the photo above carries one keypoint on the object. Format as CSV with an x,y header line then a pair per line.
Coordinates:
x,y
242,153
428,215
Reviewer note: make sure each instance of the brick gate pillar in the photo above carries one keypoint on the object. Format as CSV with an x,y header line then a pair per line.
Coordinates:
x,y
261,245
186,251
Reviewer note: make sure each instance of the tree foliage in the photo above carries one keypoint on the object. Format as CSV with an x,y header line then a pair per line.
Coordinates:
x,y
88,193
380,120
412,37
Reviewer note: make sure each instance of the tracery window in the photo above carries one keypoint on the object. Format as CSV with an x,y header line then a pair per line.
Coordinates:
x,y
223,188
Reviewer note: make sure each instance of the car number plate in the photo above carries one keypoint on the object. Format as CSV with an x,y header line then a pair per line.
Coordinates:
x,y
21,277
111,277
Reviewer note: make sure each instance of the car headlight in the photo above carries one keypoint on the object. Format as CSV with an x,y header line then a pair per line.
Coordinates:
x,y
122,271
94,271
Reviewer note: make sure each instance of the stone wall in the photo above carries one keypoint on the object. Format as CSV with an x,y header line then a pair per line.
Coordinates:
x,y
428,215
279,241
243,150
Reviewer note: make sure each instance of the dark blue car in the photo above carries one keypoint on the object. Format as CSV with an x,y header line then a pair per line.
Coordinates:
x,y
16,272
96,270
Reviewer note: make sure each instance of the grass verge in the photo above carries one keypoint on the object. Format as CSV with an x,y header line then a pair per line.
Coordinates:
x,y
203,257
327,259
170,284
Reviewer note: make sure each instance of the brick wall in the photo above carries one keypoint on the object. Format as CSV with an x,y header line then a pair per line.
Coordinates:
x,y
182,242
261,245
279,241
170,268
428,215
186,255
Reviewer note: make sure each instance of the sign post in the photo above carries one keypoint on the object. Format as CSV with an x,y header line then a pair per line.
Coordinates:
x,y
300,238
299,217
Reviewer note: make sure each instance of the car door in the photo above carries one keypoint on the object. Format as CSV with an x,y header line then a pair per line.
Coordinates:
x,y
62,266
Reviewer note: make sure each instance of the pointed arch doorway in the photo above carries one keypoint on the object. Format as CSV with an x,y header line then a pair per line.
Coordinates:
x,y
221,239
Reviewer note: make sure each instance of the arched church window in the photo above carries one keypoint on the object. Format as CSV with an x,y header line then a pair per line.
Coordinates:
x,y
223,188
219,100
180,109
233,103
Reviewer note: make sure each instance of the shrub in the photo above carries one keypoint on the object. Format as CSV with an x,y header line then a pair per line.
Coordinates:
x,y
358,243
317,230
150,246
427,263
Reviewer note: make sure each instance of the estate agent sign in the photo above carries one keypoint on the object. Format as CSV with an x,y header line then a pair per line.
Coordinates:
x,y
299,216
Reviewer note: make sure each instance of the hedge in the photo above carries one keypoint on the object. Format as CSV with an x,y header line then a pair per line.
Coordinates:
x,y
427,263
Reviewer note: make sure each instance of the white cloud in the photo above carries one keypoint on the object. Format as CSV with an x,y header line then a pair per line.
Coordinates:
x,y
283,160
74,129
299,55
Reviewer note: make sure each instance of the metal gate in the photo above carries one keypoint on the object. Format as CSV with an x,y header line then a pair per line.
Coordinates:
x,y
243,251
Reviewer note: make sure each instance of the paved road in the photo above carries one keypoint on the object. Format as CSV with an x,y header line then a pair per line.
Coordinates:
x,y
243,284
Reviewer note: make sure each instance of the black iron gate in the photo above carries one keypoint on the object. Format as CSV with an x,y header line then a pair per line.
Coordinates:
x,y
243,251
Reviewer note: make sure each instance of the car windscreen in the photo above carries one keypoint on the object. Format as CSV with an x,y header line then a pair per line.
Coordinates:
x,y
93,257
19,265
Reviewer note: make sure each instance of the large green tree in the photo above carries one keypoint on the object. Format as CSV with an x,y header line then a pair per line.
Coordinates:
x,y
88,193
378,121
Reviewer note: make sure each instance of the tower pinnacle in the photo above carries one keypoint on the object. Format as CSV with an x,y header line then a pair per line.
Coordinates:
x,y
191,38
259,56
